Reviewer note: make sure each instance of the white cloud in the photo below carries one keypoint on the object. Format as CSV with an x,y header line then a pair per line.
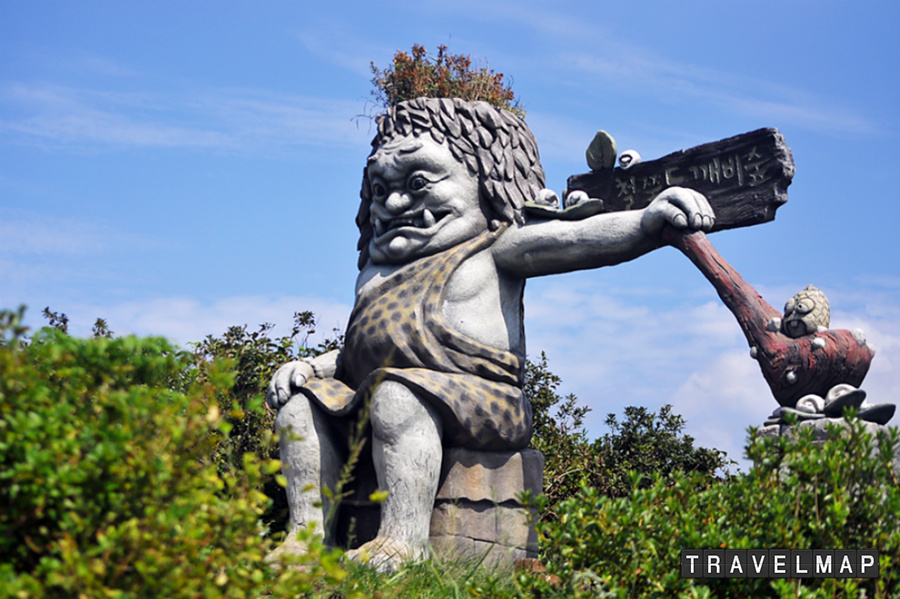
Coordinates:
x,y
25,233
721,399
184,320
233,120
594,56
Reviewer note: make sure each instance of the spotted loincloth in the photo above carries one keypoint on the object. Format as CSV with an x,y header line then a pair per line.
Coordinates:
x,y
398,332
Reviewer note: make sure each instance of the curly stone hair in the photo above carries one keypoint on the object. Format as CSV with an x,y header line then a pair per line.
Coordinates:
x,y
495,145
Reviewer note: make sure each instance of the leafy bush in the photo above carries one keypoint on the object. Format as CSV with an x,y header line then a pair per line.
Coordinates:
x,y
446,75
107,486
840,496
645,442
649,444
110,486
558,434
253,357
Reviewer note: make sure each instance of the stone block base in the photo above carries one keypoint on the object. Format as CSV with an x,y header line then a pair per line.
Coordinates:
x,y
477,511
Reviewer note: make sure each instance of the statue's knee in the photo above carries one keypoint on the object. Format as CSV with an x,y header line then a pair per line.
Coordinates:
x,y
295,417
395,408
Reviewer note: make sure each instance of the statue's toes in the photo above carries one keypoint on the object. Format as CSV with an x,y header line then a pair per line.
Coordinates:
x,y
385,554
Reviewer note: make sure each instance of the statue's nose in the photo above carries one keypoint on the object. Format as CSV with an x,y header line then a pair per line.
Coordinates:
x,y
398,202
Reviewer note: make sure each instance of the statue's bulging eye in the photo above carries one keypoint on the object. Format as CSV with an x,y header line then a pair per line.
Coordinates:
x,y
378,191
417,183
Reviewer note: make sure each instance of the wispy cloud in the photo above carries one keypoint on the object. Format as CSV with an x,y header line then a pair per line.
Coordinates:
x,y
27,233
233,120
353,54
587,55
638,70
184,320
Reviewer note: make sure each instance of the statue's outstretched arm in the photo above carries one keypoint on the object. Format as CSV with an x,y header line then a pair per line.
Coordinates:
x,y
555,246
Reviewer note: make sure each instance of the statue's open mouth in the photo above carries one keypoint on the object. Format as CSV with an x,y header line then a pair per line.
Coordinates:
x,y
795,328
421,220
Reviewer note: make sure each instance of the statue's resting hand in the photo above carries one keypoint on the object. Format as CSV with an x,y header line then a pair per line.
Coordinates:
x,y
286,381
680,207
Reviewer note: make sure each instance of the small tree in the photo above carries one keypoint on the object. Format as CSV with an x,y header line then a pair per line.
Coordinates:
x,y
558,434
645,444
446,75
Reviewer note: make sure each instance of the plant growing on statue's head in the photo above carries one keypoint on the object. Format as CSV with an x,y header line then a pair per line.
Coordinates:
x,y
447,75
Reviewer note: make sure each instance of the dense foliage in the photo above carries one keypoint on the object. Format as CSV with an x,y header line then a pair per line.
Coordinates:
x,y
798,495
253,357
644,442
130,468
418,74
108,485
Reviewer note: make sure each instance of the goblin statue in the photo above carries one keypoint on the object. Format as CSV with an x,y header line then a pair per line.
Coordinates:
x,y
435,347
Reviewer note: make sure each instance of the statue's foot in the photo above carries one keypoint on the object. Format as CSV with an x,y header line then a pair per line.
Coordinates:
x,y
386,554
292,552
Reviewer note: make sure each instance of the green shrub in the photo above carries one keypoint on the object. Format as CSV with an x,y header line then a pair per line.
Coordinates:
x,y
558,434
253,357
107,485
797,496
649,443
645,442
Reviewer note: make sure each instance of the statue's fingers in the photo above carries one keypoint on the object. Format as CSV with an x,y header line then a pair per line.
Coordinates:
x,y
697,221
701,214
704,204
671,208
272,397
676,217
684,199
280,387
272,394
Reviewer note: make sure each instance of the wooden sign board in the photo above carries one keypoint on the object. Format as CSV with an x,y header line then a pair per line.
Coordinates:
x,y
745,178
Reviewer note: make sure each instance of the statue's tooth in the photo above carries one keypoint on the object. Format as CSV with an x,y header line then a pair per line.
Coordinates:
x,y
379,226
428,218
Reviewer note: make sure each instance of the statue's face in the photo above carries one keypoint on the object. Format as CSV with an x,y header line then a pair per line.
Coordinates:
x,y
797,317
423,201
805,313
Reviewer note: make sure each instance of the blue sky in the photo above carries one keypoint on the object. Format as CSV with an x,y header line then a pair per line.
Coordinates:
x,y
179,167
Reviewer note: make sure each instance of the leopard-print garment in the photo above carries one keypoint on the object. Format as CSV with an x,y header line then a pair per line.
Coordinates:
x,y
397,332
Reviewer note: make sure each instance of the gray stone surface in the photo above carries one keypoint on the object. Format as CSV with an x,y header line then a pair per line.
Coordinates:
x,y
490,476
495,555
477,511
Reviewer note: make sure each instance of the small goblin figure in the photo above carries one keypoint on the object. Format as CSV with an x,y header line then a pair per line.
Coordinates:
x,y
806,313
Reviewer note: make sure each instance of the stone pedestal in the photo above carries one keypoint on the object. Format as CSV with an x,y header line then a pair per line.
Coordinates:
x,y
477,511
